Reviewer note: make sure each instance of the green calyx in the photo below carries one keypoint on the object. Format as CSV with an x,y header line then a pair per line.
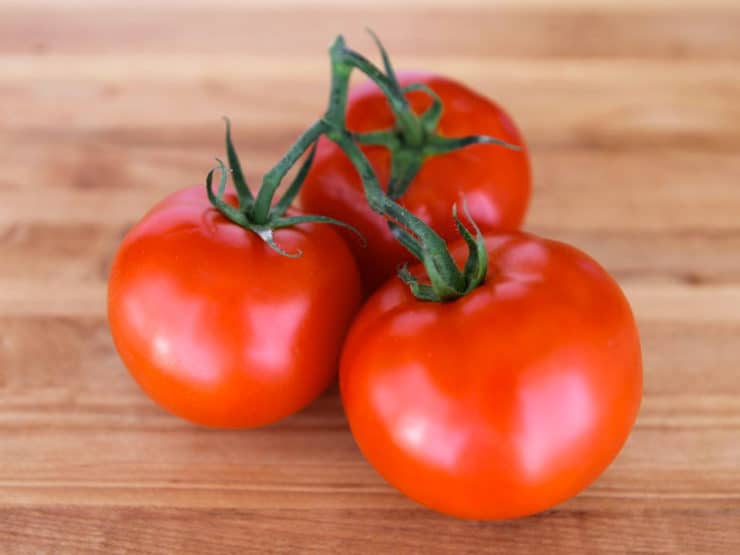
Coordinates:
x,y
259,214
413,138
446,280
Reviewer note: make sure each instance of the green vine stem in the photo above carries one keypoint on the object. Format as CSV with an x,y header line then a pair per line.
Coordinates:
x,y
414,138
446,280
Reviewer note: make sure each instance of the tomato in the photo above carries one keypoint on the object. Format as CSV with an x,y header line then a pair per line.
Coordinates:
x,y
493,180
506,401
216,326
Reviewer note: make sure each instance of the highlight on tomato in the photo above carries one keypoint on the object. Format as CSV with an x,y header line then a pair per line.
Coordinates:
x,y
495,379
432,142
228,310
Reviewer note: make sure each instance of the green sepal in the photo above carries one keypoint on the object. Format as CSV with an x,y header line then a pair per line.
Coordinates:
x,y
389,71
289,221
421,291
430,118
476,265
246,200
442,145
232,213
290,193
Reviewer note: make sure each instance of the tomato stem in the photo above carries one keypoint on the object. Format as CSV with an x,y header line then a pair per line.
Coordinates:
x,y
414,137
259,215
446,280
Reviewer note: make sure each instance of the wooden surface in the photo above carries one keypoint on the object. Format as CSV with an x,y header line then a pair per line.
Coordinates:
x,y
632,110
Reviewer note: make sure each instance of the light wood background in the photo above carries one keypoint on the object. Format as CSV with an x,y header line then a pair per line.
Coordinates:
x,y
632,110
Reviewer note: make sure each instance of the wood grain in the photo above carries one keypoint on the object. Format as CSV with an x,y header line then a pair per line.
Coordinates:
x,y
631,110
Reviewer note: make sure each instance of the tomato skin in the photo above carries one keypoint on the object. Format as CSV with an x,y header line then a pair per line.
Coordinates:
x,y
502,403
218,328
493,180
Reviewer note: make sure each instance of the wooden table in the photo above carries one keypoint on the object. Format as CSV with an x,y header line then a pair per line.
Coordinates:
x,y
632,110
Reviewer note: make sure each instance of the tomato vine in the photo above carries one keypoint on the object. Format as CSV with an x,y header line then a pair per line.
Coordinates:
x,y
413,138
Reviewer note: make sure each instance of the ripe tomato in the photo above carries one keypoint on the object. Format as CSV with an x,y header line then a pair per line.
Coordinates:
x,y
493,180
506,401
216,326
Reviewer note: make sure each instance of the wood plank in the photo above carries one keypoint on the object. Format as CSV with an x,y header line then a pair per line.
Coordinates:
x,y
81,464
646,527
653,29
279,5
610,6
651,301
146,99
576,190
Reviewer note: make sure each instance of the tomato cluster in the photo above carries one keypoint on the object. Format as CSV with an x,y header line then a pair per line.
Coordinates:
x,y
495,378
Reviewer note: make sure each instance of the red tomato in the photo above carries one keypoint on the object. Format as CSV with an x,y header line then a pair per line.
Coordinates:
x,y
216,326
504,402
493,180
